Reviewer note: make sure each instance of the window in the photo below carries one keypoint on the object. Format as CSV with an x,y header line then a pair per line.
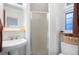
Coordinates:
x,y
69,22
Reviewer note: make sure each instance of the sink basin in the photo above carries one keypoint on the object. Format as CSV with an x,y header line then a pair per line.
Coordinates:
x,y
13,44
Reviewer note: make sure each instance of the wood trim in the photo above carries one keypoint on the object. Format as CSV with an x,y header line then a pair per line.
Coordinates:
x,y
1,28
4,17
71,40
76,19
71,35
0,41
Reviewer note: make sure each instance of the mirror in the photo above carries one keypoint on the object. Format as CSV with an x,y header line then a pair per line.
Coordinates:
x,y
12,22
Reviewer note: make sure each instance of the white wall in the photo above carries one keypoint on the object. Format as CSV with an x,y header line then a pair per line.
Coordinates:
x,y
40,7
56,24
7,35
27,23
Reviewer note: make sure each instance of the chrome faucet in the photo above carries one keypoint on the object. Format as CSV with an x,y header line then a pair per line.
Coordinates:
x,y
11,38
17,37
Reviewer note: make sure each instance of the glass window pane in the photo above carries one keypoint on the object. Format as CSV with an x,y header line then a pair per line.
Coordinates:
x,y
69,22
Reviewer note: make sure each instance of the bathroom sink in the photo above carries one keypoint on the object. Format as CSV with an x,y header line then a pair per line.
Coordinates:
x,y
13,44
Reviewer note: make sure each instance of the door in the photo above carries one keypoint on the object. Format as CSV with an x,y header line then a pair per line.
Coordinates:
x,y
39,33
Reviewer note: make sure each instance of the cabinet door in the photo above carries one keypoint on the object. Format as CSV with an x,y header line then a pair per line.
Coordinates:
x,y
1,23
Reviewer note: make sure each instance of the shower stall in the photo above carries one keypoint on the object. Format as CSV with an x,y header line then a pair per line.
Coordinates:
x,y
39,28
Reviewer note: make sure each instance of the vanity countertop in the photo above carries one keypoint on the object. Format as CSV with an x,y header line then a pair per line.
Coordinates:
x,y
14,29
